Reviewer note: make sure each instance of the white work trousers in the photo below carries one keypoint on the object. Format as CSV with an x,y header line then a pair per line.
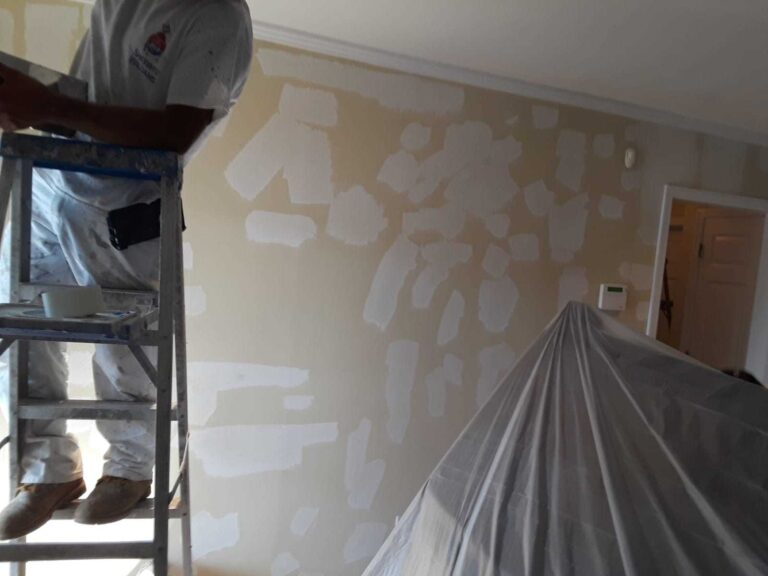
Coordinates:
x,y
70,245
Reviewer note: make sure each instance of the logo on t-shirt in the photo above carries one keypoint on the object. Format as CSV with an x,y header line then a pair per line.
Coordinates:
x,y
147,61
157,43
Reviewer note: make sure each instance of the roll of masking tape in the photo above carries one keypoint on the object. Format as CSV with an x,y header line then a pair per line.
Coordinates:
x,y
73,302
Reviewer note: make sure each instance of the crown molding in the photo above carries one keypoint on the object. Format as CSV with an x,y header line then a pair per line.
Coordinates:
x,y
383,59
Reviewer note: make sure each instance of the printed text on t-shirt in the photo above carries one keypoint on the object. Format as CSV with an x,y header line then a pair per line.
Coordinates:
x,y
144,65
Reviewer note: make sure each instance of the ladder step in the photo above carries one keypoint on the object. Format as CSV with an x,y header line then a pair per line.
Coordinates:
x,y
75,551
144,511
87,410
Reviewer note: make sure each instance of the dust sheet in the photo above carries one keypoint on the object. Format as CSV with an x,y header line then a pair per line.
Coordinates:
x,y
601,453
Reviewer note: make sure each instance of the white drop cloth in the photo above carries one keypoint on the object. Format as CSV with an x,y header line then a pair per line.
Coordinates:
x,y
601,453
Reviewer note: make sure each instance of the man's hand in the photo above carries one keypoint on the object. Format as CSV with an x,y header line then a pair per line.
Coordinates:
x,y
24,102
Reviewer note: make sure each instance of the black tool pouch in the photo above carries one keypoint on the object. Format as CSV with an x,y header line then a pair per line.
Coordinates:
x,y
135,224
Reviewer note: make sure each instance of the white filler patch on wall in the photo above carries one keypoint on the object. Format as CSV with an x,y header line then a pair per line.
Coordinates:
x,y
497,300
450,322
397,263
284,564
395,91
567,228
213,534
188,255
288,144
303,521
399,171
356,217
486,186
402,362
362,478
538,198
441,258
291,230
450,372
208,379
474,165
237,451
365,541
495,261
195,300
415,136
448,221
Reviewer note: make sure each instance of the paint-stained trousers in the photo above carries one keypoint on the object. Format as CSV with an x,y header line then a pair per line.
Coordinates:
x,y
70,246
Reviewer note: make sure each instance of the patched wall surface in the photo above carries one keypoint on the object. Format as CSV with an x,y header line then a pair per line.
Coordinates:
x,y
368,253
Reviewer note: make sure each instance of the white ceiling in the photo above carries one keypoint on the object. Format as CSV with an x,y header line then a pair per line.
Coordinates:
x,y
702,59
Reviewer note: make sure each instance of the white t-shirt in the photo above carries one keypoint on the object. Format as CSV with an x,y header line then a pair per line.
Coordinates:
x,y
154,53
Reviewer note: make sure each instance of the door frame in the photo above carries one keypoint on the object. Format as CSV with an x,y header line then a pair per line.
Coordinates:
x,y
757,353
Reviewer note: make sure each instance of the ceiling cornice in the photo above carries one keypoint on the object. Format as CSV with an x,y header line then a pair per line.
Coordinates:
x,y
338,49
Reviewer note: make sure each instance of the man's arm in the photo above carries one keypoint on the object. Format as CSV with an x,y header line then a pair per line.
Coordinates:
x,y
25,102
176,128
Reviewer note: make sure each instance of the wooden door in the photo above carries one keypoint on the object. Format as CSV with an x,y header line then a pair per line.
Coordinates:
x,y
721,290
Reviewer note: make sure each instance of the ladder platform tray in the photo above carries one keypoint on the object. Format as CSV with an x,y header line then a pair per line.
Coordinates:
x,y
26,321
143,511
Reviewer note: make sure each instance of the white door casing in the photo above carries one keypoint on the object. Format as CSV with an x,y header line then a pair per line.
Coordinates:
x,y
757,357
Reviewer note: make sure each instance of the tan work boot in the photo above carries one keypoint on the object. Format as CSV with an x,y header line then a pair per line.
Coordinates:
x,y
33,506
112,500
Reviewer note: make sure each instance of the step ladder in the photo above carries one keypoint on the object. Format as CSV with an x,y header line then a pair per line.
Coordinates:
x,y
134,319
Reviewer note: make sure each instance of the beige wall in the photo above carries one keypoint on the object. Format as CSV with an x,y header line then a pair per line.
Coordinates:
x,y
321,396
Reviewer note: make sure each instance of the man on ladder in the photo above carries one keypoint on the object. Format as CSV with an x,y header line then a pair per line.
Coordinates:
x,y
161,74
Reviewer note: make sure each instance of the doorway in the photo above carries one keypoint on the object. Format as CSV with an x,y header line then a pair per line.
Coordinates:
x,y
711,261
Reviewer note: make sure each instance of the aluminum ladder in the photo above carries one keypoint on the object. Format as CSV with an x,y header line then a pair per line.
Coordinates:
x,y
134,319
